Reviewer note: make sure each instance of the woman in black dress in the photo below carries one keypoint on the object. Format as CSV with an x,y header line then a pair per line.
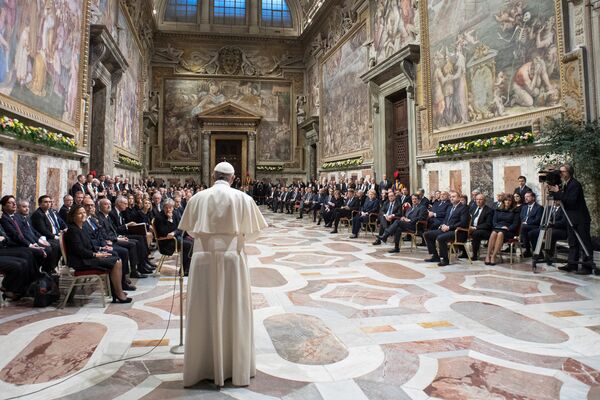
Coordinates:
x,y
166,223
81,254
504,227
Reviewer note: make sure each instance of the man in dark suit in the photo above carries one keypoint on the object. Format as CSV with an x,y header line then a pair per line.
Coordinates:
x,y
385,183
473,202
438,212
456,217
575,206
64,210
531,217
92,228
371,206
481,225
291,202
50,245
319,200
408,222
522,188
404,197
306,202
156,204
136,254
44,220
424,200
78,186
388,213
352,204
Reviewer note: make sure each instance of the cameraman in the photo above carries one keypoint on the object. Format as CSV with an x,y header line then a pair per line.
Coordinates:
x,y
574,204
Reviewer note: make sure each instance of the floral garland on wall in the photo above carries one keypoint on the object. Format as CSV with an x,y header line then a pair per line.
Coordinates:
x,y
343,164
15,128
129,162
185,169
498,142
269,168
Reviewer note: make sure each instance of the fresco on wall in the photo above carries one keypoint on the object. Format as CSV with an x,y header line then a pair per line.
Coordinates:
x,y
128,115
40,47
345,99
102,12
27,170
491,59
184,99
395,24
312,89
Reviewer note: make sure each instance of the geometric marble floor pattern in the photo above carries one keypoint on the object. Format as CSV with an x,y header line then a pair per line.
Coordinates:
x,y
334,319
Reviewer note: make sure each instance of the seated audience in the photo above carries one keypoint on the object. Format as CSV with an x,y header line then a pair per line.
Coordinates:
x,y
437,214
346,211
531,217
504,227
388,213
335,202
406,223
456,217
82,256
481,225
166,227
371,206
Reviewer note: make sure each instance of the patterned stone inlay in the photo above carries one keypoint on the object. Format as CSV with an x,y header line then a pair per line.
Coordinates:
x,y
266,277
56,352
520,286
509,323
467,378
304,339
356,294
395,270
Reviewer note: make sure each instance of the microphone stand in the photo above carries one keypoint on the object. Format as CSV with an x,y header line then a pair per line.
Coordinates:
x,y
179,349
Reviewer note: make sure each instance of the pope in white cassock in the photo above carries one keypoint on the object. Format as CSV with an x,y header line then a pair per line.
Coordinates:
x,y
219,335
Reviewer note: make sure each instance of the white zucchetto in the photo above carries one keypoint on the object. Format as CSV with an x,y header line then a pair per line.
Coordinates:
x,y
224,168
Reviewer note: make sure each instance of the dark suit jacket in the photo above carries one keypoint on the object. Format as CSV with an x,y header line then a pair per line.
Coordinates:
x,y
508,218
572,198
63,212
522,191
396,208
28,231
457,219
353,204
163,228
41,224
440,209
484,222
15,235
92,229
77,187
370,206
107,227
416,214
119,224
535,215
404,199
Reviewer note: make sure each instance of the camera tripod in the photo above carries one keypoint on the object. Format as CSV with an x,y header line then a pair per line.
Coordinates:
x,y
545,235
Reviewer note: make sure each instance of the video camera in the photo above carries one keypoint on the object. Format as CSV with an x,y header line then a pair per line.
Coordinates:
x,y
551,178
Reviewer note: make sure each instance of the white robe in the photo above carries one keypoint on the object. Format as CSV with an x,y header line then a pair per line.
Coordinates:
x,y
219,335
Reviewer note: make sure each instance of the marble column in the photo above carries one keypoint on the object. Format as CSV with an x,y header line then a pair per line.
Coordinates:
x,y
206,157
252,154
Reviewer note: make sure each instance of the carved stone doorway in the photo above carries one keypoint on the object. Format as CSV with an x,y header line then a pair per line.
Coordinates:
x,y
398,138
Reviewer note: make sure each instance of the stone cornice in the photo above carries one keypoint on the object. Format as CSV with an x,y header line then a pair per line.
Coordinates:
x,y
217,37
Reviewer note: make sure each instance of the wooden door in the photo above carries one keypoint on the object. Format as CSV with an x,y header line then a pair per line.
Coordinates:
x,y
230,151
399,139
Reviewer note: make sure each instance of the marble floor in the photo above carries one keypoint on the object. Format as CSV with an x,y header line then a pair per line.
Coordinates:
x,y
335,319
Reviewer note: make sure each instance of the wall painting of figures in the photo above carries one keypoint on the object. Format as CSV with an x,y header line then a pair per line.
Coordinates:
x,y
184,99
491,59
394,24
104,12
128,116
41,68
345,99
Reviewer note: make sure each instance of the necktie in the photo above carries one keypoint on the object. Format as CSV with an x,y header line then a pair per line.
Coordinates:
x,y
120,219
19,232
451,211
527,215
91,224
389,211
54,227
409,213
477,212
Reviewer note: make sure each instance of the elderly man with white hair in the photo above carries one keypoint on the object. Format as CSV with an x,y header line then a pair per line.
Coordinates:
x,y
219,340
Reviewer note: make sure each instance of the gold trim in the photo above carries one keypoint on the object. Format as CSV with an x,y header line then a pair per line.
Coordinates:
x,y
228,136
494,125
29,112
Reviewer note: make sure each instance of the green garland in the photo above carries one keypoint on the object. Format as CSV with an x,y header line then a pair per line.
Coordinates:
x,y
341,164
185,169
269,168
129,162
15,128
498,142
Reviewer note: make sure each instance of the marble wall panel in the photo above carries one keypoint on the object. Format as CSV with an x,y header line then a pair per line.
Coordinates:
x,y
511,173
456,180
71,178
434,181
27,177
1,178
53,184
482,176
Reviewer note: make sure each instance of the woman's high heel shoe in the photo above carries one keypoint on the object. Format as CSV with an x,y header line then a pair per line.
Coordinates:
x,y
118,300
